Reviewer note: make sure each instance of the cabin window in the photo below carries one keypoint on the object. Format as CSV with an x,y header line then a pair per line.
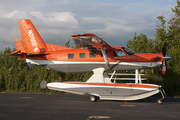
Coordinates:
x,y
92,54
119,53
82,55
70,56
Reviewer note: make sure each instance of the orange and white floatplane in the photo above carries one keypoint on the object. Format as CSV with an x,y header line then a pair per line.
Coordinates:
x,y
94,55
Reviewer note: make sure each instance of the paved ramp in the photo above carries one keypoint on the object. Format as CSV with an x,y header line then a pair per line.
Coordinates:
x,y
76,107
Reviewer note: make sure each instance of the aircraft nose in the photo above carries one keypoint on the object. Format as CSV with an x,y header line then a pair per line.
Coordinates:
x,y
166,58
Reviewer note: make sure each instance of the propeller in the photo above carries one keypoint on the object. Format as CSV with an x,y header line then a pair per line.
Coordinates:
x,y
164,63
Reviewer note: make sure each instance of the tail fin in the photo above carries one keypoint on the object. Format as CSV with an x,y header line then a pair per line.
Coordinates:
x,y
32,41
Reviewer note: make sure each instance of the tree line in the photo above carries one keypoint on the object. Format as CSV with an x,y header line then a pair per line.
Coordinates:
x,y
17,76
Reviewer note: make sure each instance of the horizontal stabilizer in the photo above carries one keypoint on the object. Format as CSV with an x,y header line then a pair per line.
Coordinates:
x,y
19,48
15,52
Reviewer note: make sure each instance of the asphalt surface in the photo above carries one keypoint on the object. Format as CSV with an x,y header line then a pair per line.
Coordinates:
x,y
77,107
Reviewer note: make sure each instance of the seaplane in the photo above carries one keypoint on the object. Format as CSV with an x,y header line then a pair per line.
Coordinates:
x,y
94,55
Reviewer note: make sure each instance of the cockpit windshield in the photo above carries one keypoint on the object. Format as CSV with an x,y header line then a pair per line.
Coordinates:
x,y
128,51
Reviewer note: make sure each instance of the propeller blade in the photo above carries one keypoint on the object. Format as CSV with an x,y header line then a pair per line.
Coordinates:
x,y
164,49
165,58
164,67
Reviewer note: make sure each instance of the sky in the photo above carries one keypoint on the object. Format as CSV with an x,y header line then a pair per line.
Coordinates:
x,y
57,20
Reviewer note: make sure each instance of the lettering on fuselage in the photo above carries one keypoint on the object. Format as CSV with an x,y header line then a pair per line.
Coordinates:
x,y
33,41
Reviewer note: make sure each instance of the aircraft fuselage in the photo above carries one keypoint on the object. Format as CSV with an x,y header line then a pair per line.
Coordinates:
x,y
82,60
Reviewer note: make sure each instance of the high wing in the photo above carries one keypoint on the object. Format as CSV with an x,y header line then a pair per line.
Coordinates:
x,y
91,41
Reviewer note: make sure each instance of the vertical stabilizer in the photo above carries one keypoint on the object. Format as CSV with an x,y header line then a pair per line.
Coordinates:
x,y
32,41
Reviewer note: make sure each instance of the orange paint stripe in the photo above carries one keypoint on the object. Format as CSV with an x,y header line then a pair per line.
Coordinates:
x,y
116,85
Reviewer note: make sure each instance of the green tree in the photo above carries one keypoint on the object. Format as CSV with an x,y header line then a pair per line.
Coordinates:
x,y
160,36
174,27
141,44
67,43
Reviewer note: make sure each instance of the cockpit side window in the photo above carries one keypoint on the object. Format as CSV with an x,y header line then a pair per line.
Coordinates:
x,y
119,53
128,51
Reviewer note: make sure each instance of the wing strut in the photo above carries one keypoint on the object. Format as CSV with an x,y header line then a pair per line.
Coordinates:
x,y
105,56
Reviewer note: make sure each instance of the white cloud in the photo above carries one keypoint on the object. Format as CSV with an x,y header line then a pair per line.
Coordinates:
x,y
63,17
56,16
9,15
16,14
